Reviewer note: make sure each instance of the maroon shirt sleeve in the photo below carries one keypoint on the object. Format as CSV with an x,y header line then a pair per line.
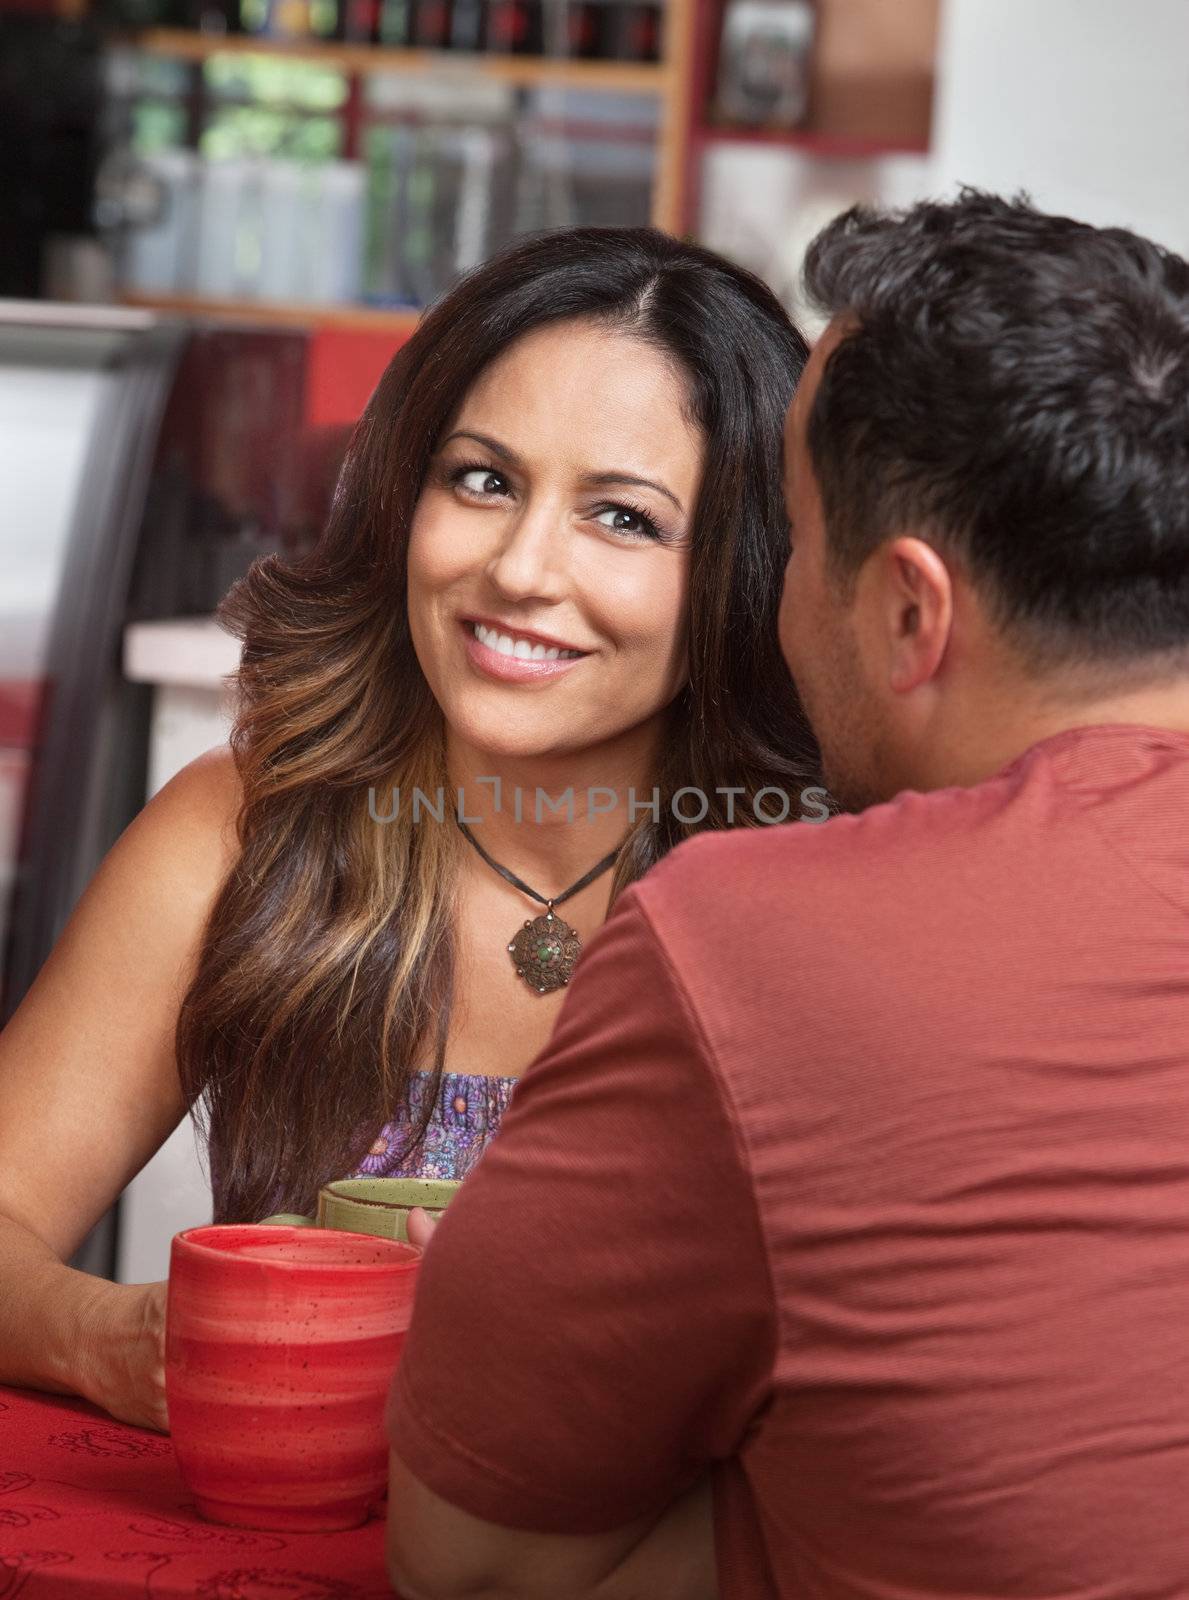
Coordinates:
x,y
594,1324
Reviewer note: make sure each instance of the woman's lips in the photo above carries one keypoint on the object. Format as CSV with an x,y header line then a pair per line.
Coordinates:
x,y
512,669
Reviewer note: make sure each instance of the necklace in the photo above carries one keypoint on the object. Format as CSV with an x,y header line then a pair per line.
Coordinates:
x,y
545,951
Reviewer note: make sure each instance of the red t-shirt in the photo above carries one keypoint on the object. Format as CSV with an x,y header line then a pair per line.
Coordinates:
x,y
857,1168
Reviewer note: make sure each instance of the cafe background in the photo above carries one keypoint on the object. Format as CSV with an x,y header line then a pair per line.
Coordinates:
x,y
219,218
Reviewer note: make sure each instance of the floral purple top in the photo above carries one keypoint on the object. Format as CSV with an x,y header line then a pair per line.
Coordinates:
x,y
467,1114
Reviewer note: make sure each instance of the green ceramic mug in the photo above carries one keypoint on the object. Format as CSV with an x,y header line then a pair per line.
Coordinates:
x,y
378,1206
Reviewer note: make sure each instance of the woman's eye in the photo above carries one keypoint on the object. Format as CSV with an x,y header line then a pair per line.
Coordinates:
x,y
623,520
482,481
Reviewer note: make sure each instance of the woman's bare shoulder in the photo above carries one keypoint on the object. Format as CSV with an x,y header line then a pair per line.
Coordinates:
x,y
209,787
192,819
165,870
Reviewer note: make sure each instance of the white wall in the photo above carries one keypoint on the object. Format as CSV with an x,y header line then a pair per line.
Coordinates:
x,y
48,409
761,207
186,660
1084,103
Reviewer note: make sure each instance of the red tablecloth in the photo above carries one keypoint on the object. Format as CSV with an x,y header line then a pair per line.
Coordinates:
x,y
92,1507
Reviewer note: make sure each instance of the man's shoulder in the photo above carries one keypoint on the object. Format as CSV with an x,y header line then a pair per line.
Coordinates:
x,y
807,930
890,840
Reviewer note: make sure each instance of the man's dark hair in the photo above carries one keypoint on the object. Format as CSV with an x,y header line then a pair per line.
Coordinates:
x,y
1015,390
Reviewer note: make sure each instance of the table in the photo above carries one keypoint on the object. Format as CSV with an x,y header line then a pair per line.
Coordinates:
x,y
92,1509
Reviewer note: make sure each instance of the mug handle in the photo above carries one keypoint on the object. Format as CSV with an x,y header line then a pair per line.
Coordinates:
x,y
289,1219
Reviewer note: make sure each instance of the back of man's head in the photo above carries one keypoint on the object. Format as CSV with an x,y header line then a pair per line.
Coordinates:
x,y
1014,387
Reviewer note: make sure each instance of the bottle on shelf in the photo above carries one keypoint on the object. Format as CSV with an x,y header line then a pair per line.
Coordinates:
x,y
630,30
394,23
158,255
431,24
227,210
214,16
514,27
289,19
390,148
573,28
359,21
280,231
467,24
334,239
277,19
324,16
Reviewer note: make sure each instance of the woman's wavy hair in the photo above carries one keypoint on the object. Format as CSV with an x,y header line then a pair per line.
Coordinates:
x,y
326,967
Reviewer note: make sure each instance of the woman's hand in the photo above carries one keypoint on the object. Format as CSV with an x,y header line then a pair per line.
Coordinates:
x,y
421,1227
122,1358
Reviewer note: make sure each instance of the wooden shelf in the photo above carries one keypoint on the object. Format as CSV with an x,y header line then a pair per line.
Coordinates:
x,y
617,77
266,313
828,146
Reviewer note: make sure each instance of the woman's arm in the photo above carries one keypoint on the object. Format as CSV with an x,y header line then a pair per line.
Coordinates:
x,y
89,1090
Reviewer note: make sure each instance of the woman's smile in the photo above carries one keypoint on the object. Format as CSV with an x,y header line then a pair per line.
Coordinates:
x,y
515,657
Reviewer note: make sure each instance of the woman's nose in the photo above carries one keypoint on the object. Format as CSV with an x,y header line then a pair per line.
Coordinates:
x,y
529,562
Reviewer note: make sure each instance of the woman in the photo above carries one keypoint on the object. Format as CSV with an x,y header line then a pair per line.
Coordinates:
x,y
553,564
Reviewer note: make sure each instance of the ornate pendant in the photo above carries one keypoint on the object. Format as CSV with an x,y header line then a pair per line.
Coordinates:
x,y
544,952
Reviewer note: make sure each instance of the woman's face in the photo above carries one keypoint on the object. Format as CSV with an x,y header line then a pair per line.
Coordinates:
x,y
549,553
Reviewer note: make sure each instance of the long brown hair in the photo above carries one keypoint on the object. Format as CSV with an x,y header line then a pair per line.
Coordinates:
x,y
327,961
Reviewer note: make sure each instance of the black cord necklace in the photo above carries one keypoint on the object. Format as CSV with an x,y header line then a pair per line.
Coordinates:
x,y
545,951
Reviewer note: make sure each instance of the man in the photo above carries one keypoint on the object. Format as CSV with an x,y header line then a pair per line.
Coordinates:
x,y
854,1181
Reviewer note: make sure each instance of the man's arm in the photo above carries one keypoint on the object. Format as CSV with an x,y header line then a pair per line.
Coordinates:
x,y
594,1325
456,1555
436,1552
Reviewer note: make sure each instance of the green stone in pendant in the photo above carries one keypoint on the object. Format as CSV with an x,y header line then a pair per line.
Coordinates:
x,y
544,952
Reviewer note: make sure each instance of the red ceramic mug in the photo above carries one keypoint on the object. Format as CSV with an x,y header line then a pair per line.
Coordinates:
x,y
280,1349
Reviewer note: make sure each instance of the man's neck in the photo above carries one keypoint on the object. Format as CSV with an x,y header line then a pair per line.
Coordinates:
x,y
997,729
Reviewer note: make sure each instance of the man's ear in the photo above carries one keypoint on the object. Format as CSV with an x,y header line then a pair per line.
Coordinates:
x,y
908,598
